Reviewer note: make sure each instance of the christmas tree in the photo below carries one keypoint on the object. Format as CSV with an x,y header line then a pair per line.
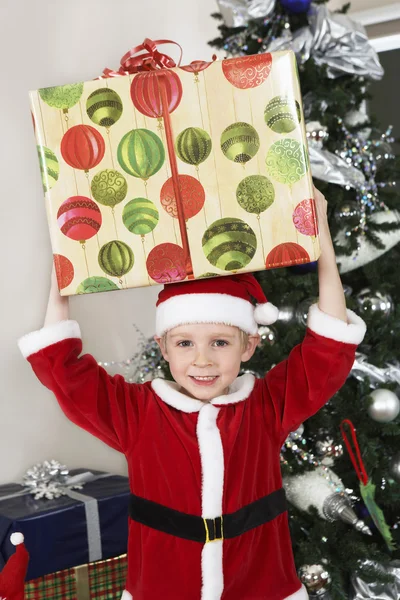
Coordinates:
x,y
342,537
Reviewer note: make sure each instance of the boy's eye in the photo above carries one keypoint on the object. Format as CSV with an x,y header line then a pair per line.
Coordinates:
x,y
184,343
221,343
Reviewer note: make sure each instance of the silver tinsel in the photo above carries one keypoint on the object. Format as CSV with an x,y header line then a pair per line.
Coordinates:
x,y
237,13
362,590
334,40
377,375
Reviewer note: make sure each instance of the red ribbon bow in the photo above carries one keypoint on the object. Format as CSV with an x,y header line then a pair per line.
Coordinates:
x,y
153,59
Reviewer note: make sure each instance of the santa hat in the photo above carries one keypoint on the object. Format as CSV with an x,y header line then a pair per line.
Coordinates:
x,y
12,577
226,300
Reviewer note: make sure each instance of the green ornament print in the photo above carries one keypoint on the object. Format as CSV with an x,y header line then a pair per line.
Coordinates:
x,y
104,107
240,142
282,114
62,96
91,285
193,145
140,216
286,161
109,187
116,258
229,244
255,193
141,153
49,167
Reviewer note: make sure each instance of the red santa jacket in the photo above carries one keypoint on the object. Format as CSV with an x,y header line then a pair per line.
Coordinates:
x,y
202,459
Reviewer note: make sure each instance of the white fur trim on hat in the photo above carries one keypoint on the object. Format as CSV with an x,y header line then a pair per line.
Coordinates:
x,y
352,332
17,539
205,308
266,314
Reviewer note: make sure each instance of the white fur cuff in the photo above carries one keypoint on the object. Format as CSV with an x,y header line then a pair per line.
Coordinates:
x,y
352,332
37,340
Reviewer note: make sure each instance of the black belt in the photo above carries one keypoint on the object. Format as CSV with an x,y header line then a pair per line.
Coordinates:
x,y
197,529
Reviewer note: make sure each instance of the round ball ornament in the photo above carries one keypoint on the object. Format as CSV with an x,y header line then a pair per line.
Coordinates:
x,y
104,107
116,258
304,218
140,216
372,302
62,96
268,336
255,193
166,263
193,145
229,244
79,218
282,114
384,406
285,254
316,578
286,161
141,153
348,214
192,195
109,187
247,71
64,270
240,142
302,310
49,167
92,285
146,96
394,467
82,147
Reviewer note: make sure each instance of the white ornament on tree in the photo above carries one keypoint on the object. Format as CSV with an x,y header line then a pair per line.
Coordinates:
x,y
385,406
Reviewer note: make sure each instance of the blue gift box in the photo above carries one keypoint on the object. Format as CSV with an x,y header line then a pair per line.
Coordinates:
x,y
67,531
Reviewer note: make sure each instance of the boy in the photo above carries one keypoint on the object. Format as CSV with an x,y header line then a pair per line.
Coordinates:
x,y
208,518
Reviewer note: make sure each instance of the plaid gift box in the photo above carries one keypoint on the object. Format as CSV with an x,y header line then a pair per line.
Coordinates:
x,y
154,175
102,580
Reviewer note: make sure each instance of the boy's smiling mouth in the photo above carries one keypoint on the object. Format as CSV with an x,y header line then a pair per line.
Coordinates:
x,y
204,379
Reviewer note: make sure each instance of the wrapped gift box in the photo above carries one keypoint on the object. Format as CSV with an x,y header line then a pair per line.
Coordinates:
x,y
103,580
176,173
85,526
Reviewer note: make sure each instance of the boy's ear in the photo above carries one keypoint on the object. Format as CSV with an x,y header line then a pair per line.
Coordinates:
x,y
160,342
253,341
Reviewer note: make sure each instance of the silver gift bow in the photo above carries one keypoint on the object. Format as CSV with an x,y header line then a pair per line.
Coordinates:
x,y
237,13
52,480
335,40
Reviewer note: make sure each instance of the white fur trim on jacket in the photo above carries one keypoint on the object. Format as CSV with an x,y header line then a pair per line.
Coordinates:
x,y
352,332
126,595
301,594
205,308
37,340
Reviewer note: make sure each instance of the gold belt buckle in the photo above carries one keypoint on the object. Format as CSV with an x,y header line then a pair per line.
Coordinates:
x,y
214,539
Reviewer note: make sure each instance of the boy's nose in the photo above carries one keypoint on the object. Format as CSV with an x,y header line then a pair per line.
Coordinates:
x,y
202,360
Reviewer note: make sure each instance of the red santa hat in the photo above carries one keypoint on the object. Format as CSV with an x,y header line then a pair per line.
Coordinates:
x,y
12,577
227,300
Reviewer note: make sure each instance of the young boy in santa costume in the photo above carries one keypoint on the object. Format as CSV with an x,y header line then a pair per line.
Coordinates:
x,y
208,516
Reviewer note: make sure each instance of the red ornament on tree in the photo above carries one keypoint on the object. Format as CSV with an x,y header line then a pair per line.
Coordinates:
x,y
166,263
145,92
192,194
285,255
64,270
82,147
79,218
304,217
247,71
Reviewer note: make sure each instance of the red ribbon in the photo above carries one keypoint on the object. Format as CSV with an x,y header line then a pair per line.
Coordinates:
x,y
359,467
153,59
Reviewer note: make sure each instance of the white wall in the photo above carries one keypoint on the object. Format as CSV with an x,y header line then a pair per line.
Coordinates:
x,y
45,43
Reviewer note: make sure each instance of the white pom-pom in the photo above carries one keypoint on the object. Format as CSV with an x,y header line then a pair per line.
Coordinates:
x,y
16,539
266,314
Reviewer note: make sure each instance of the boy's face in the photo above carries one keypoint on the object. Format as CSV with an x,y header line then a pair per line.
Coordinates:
x,y
204,358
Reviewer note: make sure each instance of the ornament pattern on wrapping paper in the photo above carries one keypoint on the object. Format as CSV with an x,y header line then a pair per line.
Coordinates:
x,y
145,92
109,187
79,218
255,193
240,142
64,270
192,194
141,153
62,96
104,107
247,71
282,114
82,147
140,216
286,161
95,284
166,263
304,217
49,167
285,254
193,145
229,244
116,258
